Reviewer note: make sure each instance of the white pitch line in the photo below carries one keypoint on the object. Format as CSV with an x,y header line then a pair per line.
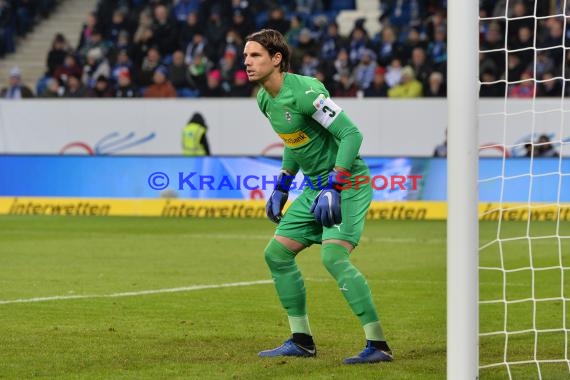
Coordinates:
x,y
139,293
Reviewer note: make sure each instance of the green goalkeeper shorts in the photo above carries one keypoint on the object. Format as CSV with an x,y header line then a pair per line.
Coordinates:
x,y
300,224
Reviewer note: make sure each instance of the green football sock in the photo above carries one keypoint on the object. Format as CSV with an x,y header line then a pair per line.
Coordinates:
x,y
289,285
354,288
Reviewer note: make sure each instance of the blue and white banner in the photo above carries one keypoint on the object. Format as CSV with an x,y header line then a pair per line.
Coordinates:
x,y
393,179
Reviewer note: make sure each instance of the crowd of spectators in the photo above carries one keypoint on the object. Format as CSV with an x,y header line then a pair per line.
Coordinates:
x,y
18,18
523,46
193,48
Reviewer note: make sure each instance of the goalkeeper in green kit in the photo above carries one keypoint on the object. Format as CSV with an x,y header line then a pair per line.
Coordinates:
x,y
323,142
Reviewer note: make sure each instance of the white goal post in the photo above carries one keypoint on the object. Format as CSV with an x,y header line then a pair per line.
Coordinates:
x,y
462,176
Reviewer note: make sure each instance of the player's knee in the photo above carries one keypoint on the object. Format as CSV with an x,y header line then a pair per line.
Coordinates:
x,y
334,258
277,255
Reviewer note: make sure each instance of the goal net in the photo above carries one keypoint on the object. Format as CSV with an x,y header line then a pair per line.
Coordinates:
x,y
524,189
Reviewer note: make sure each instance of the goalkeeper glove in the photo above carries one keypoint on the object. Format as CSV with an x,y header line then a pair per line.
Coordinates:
x,y
278,197
326,206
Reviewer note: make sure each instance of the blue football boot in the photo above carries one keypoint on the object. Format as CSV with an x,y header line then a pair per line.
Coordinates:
x,y
370,354
289,348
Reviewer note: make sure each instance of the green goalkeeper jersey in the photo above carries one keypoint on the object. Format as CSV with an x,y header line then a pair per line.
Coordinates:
x,y
317,133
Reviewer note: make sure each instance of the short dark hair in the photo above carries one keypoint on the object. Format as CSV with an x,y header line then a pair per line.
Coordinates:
x,y
274,42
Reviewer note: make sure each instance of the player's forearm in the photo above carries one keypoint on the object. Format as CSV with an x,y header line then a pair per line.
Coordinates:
x,y
349,138
289,164
348,150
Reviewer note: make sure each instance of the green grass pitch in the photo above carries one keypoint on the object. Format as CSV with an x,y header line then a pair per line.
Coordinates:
x,y
216,332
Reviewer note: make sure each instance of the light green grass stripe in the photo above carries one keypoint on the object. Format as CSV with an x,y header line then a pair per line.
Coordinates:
x,y
139,293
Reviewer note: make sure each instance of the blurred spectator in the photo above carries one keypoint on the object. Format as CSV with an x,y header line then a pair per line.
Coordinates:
x,y
544,63
86,30
233,43
307,45
16,89
52,89
198,69
25,16
309,65
378,88
524,40
515,67
75,88
143,38
342,62
402,13
414,41
123,62
365,69
241,85
553,38
188,30
434,22
123,44
178,71
437,49
164,31
215,32
389,47
308,6
56,56
550,86
494,43
543,148
344,86
213,87
198,46
435,86
183,8
292,35
102,88
331,42
409,86
70,67
241,22
150,64
7,29
421,65
96,41
394,72
358,42
323,74
161,86
95,66
277,20
228,65
125,87
490,86
118,24
524,89
518,22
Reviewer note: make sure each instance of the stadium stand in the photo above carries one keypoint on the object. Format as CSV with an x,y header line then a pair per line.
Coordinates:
x,y
198,45
47,19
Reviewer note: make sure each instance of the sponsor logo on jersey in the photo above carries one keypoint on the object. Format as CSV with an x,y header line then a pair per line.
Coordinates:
x,y
295,139
319,101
